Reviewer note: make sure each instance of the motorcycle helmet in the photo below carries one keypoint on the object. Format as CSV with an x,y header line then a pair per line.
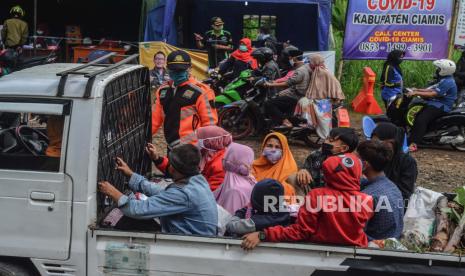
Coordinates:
x,y
263,54
287,50
17,10
445,67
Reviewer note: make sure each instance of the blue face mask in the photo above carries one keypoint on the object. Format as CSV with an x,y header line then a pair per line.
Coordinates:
x,y
179,77
243,48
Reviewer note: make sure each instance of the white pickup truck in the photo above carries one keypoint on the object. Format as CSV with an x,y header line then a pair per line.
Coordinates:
x,y
61,127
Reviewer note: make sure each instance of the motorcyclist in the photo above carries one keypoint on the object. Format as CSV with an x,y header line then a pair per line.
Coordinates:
x,y
268,68
239,60
440,100
281,107
15,30
391,77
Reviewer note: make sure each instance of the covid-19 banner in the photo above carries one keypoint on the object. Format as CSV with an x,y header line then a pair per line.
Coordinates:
x,y
376,27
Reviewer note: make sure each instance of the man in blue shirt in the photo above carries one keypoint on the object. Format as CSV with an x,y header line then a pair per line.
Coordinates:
x,y
185,207
440,100
388,202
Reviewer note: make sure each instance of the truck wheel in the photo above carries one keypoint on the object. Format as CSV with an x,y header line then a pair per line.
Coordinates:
x,y
9,269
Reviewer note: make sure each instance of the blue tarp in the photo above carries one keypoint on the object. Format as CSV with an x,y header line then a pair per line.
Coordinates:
x,y
299,24
160,25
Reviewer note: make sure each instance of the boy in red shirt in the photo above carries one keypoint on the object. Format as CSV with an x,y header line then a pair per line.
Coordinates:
x,y
335,214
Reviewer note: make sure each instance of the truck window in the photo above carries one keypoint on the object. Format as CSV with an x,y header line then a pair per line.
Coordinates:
x,y
31,141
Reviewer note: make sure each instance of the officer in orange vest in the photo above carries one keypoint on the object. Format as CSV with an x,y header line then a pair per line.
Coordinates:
x,y
183,104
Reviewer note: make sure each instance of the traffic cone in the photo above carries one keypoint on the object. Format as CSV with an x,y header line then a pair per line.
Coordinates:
x,y
365,101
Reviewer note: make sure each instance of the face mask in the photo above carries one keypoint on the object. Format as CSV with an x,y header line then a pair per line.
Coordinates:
x,y
218,28
238,168
201,145
273,155
179,77
327,149
243,48
291,62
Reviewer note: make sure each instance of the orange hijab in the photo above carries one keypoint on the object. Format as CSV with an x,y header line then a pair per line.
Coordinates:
x,y
262,168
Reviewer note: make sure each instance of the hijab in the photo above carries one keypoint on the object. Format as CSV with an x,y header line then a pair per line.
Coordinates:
x,y
246,56
237,186
323,84
389,131
394,59
262,168
212,140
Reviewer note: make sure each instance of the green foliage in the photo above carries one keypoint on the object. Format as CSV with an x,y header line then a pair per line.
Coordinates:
x,y
460,197
339,14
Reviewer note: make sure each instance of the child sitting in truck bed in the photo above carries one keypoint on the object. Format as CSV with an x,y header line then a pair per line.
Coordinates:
x,y
185,207
335,214
258,217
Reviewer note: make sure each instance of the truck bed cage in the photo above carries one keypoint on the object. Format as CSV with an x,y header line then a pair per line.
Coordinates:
x,y
93,74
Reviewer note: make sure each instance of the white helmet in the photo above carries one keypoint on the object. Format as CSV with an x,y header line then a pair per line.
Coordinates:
x,y
446,67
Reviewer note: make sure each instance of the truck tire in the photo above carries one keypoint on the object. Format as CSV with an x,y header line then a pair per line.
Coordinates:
x,y
10,269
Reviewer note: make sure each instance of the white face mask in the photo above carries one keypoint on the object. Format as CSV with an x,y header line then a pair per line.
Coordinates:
x,y
292,62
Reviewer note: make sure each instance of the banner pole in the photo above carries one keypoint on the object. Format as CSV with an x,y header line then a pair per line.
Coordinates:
x,y
339,70
341,62
453,29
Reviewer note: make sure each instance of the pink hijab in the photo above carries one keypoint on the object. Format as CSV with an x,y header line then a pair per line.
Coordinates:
x,y
212,140
238,183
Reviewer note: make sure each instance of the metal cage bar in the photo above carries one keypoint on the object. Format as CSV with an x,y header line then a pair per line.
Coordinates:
x,y
124,132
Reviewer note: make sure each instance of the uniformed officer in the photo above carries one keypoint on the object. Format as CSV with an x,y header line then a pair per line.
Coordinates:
x,y
183,104
217,41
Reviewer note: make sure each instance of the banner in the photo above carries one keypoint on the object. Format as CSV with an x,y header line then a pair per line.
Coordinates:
x,y
460,28
376,27
199,59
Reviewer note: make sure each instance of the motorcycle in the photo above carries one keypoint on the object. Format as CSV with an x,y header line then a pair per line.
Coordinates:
x,y
11,61
236,89
446,130
247,117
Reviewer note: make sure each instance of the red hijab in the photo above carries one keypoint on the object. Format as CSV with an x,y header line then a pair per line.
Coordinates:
x,y
245,56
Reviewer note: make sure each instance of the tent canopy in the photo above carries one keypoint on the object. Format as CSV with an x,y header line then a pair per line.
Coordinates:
x,y
304,22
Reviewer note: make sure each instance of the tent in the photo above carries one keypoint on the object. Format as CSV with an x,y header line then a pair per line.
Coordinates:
x,y
304,22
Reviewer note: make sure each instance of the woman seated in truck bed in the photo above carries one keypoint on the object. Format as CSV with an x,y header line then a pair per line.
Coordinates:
x,y
212,142
185,207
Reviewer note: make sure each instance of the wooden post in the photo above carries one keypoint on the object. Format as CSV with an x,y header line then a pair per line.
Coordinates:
x,y
453,28
339,69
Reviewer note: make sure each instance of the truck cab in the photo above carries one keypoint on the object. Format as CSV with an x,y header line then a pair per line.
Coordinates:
x,y
61,128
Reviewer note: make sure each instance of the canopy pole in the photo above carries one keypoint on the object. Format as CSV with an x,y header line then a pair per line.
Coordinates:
x,y
35,28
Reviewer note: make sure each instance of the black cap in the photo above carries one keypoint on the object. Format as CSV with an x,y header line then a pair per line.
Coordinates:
x,y
178,61
185,159
295,52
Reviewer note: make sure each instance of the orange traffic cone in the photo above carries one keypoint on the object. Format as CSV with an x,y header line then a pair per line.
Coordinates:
x,y
365,101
